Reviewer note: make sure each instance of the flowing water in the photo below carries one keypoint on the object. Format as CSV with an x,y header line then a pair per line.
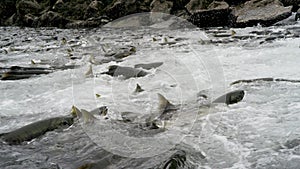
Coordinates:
x,y
249,134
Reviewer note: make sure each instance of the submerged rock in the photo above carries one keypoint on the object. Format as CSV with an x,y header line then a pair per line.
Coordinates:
x,y
264,12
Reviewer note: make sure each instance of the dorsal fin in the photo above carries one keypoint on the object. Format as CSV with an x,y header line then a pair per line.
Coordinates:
x,y
138,88
164,104
87,116
89,73
75,112
82,114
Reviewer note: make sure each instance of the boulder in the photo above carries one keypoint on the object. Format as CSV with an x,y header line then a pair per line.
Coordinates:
x,y
51,19
27,7
163,6
29,20
90,23
294,3
94,9
120,8
196,5
216,15
264,12
72,9
7,9
235,2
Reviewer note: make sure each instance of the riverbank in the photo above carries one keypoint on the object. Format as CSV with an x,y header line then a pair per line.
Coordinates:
x,y
93,13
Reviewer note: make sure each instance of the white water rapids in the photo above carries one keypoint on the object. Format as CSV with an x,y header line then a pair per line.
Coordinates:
x,y
249,134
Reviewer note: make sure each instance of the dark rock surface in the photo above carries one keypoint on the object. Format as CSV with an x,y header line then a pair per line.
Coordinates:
x,y
215,15
95,13
264,12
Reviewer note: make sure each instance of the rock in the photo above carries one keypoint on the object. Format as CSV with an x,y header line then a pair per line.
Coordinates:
x,y
11,20
71,9
196,5
94,9
182,14
218,5
163,6
180,4
27,6
90,23
52,19
294,3
264,12
297,16
59,4
119,8
216,15
7,9
235,2
29,19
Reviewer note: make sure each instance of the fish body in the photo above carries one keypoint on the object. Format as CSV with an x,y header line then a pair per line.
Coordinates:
x,y
35,130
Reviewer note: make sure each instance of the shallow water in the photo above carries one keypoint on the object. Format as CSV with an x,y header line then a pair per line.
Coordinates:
x,y
249,134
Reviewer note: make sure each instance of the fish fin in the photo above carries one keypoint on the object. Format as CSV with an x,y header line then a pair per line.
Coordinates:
x,y
75,112
164,104
138,88
89,73
87,116
5,75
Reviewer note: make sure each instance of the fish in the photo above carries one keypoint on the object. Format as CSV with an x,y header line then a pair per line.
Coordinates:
x,y
138,89
231,97
148,66
36,129
126,72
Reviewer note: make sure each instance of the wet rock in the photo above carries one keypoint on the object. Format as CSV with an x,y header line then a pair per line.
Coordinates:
x,y
182,14
27,6
216,15
294,3
195,5
58,5
7,9
264,12
26,12
163,6
90,23
121,8
93,10
297,16
235,2
52,19
29,19
71,9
